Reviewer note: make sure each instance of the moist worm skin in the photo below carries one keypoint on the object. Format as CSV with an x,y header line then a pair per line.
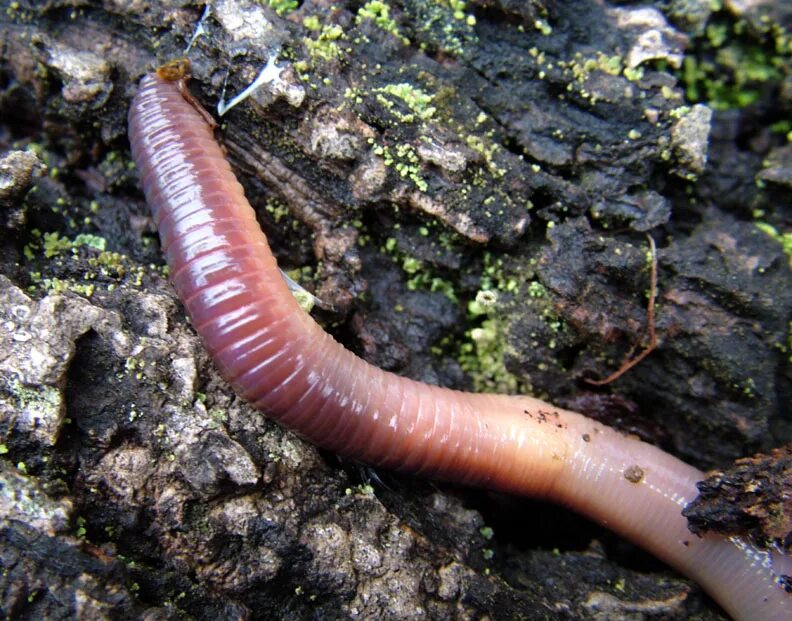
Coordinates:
x,y
280,360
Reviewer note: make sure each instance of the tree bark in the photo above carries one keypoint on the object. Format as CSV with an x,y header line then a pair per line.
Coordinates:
x,y
467,186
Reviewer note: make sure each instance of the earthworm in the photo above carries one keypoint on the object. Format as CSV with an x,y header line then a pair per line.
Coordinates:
x,y
281,361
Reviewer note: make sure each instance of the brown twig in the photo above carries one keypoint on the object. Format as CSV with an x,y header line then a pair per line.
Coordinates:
x,y
650,326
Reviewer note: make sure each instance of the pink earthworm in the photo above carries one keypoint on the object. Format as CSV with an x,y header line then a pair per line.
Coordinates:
x,y
281,361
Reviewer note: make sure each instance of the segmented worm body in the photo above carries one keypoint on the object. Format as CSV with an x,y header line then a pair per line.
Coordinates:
x,y
280,360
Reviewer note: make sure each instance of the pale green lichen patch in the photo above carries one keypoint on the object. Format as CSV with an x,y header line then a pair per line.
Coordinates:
x,y
425,280
445,25
612,65
417,101
282,215
459,7
277,209
488,149
354,95
511,314
24,501
89,252
305,299
39,402
59,285
325,45
54,244
404,161
38,408
311,22
536,289
380,14
583,74
542,26
420,276
783,127
482,355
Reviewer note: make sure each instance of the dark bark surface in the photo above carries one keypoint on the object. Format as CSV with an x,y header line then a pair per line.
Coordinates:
x,y
469,187
752,497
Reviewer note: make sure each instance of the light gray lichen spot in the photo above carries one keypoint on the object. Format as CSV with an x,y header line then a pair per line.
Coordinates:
x,y
450,157
85,76
22,501
653,37
242,20
690,138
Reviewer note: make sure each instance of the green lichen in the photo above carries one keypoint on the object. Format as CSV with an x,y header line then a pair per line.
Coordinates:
x,y
542,26
495,278
81,531
485,302
785,239
364,489
59,285
536,289
612,65
111,265
459,7
325,45
783,127
218,415
633,74
39,402
277,209
354,94
730,65
311,22
136,367
502,298
416,100
443,25
379,13
89,249
420,276
748,389
282,7
489,150
580,69
54,244
426,281
305,299
482,355
404,160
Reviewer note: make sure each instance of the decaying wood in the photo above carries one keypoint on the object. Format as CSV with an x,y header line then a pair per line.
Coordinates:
x,y
469,186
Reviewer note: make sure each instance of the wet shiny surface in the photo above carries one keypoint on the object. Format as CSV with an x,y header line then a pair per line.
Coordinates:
x,y
279,359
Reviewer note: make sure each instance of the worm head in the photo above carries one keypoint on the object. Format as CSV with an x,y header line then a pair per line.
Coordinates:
x,y
175,70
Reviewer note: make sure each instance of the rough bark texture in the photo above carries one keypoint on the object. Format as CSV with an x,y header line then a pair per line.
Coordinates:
x,y
468,186
750,497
